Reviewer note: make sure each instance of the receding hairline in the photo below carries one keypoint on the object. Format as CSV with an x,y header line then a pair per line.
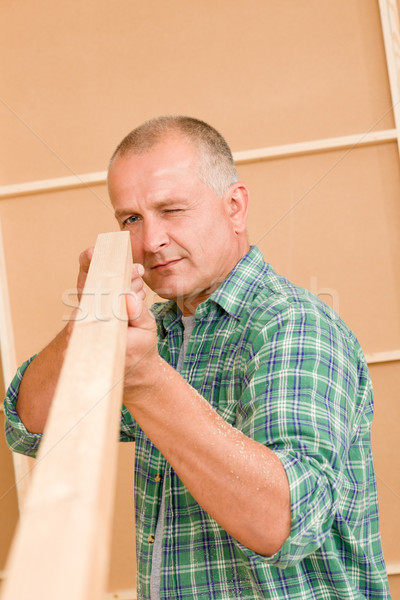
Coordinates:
x,y
142,150
154,131
216,165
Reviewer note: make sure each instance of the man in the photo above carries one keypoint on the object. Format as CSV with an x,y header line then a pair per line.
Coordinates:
x,y
253,467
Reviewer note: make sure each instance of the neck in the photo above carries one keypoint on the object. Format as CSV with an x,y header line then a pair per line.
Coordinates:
x,y
188,305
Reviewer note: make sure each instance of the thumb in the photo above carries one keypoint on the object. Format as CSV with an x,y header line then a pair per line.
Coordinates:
x,y
137,312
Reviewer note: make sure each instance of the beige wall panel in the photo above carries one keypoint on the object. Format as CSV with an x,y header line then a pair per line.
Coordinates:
x,y
394,585
43,237
385,440
78,75
331,221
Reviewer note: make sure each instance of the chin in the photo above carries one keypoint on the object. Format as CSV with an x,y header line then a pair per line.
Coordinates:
x,y
165,292
169,288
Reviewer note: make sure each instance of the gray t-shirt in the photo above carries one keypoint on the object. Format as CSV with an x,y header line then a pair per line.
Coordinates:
x,y
188,325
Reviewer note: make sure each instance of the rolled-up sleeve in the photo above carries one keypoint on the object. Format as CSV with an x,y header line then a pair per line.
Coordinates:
x,y
303,400
18,438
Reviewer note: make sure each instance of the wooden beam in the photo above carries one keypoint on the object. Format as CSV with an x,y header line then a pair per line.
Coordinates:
x,y
22,464
62,542
393,568
391,38
241,157
323,145
381,357
129,594
7,343
52,185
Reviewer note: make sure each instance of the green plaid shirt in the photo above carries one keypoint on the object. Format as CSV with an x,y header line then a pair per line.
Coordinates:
x,y
279,365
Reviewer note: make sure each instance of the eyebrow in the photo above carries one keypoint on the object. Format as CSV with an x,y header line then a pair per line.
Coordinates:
x,y
119,214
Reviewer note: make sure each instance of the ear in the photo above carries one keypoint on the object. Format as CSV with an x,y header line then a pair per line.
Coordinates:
x,y
238,204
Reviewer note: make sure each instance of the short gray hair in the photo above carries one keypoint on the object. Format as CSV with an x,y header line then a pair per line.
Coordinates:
x,y
216,166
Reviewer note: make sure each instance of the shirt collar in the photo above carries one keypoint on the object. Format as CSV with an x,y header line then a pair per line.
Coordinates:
x,y
167,314
235,293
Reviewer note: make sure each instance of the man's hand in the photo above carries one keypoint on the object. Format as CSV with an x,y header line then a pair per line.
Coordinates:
x,y
84,263
142,331
142,358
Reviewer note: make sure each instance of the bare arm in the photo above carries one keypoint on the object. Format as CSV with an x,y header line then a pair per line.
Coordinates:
x,y
40,378
39,383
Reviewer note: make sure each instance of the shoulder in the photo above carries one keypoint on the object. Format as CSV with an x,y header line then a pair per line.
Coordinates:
x,y
278,308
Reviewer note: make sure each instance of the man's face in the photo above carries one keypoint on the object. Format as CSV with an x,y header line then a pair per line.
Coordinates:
x,y
181,231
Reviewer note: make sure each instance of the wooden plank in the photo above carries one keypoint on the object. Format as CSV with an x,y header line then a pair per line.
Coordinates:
x,y
129,594
62,543
22,464
391,38
324,145
393,568
7,343
241,157
380,357
54,184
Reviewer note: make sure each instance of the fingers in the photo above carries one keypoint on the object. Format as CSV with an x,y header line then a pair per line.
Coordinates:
x,y
137,273
137,284
138,314
84,263
134,300
85,257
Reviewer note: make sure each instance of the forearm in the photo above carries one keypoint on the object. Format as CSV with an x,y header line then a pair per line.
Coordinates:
x,y
239,482
39,383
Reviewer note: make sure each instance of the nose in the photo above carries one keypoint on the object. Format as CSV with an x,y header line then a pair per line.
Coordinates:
x,y
155,236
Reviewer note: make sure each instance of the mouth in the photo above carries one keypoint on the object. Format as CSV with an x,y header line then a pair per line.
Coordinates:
x,y
165,265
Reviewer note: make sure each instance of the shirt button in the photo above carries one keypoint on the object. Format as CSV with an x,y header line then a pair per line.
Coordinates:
x,y
158,477
150,539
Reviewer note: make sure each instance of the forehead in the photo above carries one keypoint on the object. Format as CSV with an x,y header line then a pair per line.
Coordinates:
x,y
172,159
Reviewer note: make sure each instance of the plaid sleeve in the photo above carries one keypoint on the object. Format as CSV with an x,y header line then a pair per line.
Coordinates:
x,y
300,401
20,440
128,426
